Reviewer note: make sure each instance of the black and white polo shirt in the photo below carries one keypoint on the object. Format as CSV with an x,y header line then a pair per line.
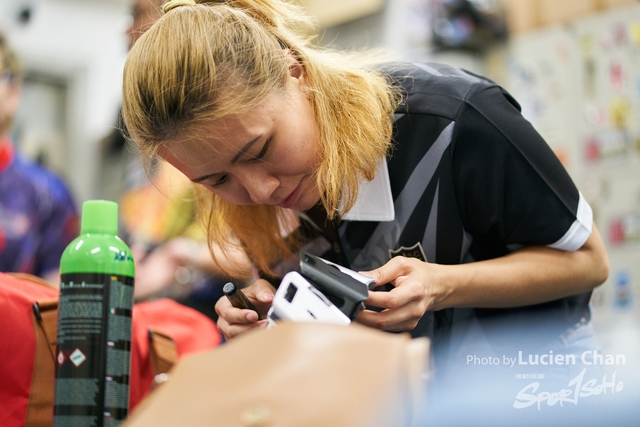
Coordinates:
x,y
468,179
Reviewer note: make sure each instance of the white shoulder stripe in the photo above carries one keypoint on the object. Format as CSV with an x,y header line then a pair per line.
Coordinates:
x,y
579,231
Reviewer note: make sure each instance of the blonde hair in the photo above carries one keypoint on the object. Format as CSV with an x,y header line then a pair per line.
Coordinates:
x,y
202,62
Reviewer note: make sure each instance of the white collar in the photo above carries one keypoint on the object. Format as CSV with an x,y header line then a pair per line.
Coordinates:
x,y
374,202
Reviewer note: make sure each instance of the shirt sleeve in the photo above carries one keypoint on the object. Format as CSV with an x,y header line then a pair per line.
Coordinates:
x,y
59,225
509,183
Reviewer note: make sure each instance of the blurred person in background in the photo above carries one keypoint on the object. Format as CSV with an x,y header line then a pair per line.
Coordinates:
x,y
38,215
121,168
158,212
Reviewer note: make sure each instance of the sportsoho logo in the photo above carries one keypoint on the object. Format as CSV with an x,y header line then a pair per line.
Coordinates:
x,y
577,388
541,366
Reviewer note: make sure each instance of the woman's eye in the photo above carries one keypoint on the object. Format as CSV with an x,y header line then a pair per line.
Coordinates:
x,y
262,152
219,181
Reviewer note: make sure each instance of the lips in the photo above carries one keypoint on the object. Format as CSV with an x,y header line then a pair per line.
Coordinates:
x,y
291,199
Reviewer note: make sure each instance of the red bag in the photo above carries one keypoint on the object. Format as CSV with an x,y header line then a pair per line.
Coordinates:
x,y
162,331
154,322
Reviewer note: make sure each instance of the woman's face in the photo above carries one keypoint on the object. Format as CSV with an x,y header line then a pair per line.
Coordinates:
x,y
267,156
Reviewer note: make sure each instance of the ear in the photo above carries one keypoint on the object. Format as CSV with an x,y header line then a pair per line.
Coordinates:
x,y
296,70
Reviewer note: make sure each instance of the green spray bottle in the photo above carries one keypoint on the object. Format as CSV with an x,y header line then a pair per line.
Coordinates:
x,y
94,323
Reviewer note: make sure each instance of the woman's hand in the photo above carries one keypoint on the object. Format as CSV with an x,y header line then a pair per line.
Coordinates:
x,y
234,321
415,291
530,275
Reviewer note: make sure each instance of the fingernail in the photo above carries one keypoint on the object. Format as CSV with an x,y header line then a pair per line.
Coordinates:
x,y
265,296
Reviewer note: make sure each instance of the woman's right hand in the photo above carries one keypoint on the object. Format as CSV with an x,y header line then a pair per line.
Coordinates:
x,y
234,321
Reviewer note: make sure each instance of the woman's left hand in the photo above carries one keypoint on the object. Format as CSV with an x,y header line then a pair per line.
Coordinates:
x,y
530,275
415,290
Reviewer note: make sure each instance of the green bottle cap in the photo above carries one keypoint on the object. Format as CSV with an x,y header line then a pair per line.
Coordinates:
x,y
99,216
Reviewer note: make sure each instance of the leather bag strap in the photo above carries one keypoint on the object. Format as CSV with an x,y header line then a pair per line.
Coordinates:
x,y
162,352
45,322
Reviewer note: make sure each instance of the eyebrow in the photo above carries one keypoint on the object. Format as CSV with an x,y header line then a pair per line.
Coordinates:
x,y
239,154
244,149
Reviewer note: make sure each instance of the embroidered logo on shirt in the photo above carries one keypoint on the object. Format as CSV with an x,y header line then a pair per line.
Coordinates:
x,y
414,251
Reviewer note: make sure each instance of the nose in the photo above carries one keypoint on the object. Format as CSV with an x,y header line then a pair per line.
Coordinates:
x,y
261,186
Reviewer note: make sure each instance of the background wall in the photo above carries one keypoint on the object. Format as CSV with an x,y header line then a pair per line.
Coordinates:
x,y
73,52
579,84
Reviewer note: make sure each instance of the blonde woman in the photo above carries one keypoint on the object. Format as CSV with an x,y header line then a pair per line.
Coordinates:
x,y
421,160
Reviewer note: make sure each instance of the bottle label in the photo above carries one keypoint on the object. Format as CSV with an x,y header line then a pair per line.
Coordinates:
x,y
94,350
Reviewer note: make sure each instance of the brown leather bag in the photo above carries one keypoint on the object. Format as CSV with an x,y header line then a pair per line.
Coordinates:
x,y
296,374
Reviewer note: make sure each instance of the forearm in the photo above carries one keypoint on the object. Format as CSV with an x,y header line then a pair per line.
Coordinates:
x,y
529,276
